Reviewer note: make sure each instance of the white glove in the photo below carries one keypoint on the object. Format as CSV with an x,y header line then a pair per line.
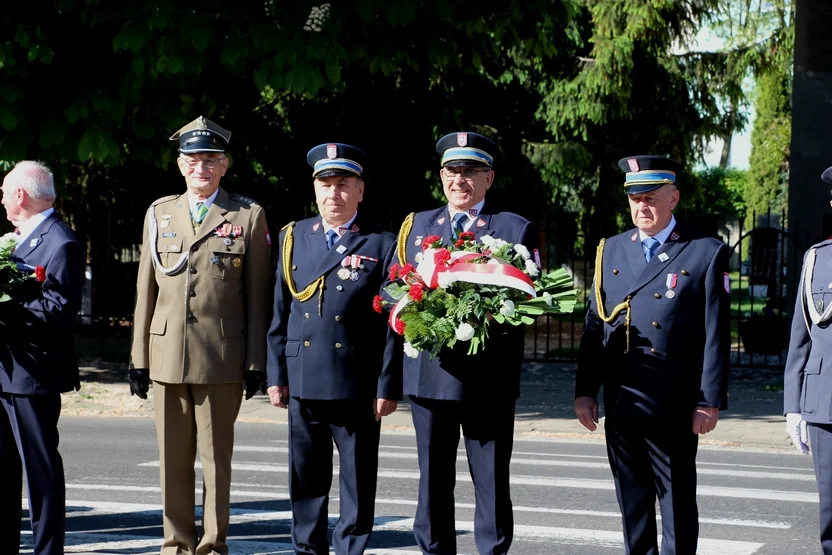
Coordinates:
x,y
796,428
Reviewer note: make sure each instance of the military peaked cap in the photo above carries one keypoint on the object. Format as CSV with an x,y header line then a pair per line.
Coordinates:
x,y
466,149
337,159
201,135
647,173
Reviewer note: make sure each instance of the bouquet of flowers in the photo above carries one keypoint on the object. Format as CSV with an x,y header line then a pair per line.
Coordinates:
x,y
457,291
14,276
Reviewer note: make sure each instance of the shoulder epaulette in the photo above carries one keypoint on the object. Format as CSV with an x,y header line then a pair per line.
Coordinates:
x,y
290,224
244,200
164,199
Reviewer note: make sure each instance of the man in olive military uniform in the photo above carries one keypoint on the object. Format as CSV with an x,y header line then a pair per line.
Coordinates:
x,y
657,337
453,391
331,356
199,329
807,391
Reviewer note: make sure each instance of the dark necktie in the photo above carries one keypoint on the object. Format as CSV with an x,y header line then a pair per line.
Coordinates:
x,y
331,238
459,225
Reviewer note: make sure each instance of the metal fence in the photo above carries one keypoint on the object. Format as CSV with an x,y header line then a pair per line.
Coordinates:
x,y
765,266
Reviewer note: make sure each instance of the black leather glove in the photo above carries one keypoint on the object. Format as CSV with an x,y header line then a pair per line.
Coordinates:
x,y
255,381
139,379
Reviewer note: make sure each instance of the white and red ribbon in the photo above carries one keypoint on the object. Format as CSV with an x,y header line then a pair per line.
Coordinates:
x,y
461,268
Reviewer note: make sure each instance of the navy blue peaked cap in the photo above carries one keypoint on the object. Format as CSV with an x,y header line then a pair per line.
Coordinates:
x,y
647,173
827,175
337,159
466,149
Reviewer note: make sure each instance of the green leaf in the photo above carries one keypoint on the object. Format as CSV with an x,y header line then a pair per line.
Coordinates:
x,y
333,70
499,318
138,65
8,120
395,291
161,63
201,36
85,146
526,320
261,77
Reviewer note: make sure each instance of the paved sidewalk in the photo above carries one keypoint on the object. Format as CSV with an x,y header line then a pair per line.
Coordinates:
x,y
544,409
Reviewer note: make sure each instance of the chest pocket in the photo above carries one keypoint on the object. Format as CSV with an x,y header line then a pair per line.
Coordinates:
x,y
169,249
226,261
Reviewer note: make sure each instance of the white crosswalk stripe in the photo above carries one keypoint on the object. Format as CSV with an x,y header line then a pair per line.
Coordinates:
x,y
574,526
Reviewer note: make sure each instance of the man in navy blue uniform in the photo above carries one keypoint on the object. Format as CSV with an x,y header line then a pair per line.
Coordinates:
x,y
657,337
331,357
807,390
455,389
38,362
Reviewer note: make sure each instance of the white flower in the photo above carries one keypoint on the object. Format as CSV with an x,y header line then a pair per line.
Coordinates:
x,y
9,239
410,350
522,251
444,279
488,241
507,309
465,332
547,297
531,268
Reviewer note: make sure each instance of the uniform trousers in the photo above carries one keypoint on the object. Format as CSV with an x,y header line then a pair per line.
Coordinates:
x,y
187,415
313,426
488,429
652,459
820,438
29,433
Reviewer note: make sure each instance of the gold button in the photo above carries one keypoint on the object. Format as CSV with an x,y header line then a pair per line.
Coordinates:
x,y
654,351
657,295
615,272
655,324
337,345
306,343
684,272
306,315
337,318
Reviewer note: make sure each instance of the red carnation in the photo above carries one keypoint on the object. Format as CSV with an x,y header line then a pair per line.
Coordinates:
x,y
399,327
406,270
467,236
429,241
40,274
377,303
417,292
394,271
459,243
441,256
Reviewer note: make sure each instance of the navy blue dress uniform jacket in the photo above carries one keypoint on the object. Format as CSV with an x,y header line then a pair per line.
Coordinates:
x,y
807,388
348,351
454,375
678,347
39,357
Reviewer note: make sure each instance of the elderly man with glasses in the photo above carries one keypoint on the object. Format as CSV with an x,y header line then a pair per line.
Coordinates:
x,y
199,332
453,390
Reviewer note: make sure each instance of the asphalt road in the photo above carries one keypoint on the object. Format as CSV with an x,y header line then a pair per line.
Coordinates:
x,y
564,501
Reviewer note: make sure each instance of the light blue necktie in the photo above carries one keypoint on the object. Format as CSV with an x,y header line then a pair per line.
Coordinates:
x,y
650,245
331,238
458,226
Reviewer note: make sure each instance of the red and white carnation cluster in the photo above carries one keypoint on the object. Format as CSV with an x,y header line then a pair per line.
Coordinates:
x,y
457,291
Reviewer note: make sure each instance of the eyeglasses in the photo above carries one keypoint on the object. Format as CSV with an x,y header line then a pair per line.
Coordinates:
x,y
468,174
207,164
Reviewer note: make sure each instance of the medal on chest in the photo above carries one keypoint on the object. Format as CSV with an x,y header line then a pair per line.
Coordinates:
x,y
671,282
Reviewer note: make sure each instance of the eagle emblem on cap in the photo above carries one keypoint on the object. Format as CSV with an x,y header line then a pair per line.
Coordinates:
x,y
462,139
331,151
201,124
633,163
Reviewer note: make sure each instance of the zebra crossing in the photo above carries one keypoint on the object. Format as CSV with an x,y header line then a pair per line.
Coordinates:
x,y
562,491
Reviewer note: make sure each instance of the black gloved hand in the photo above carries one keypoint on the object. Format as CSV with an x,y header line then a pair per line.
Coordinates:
x,y
139,379
255,381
